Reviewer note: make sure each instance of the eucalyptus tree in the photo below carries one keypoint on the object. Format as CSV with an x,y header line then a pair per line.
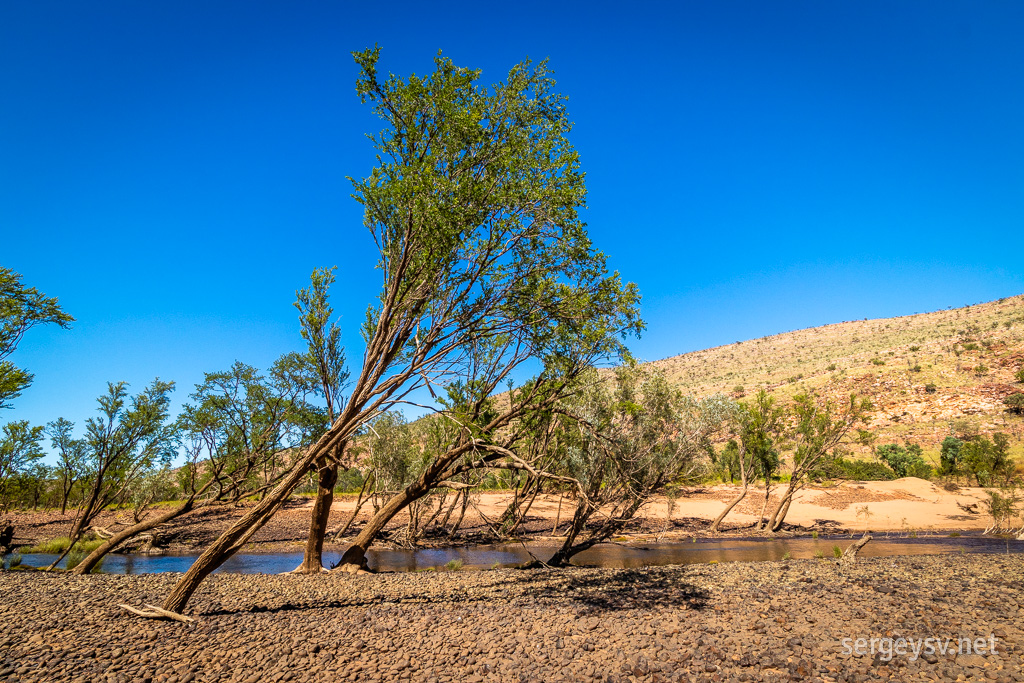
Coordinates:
x,y
21,309
759,426
473,208
72,458
20,451
622,439
326,374
820,427
233,434
131,436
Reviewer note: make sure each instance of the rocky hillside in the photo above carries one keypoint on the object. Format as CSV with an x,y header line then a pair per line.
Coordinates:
x,y
927,375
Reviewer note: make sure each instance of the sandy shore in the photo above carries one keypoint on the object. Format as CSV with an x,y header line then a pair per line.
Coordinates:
x,y
902,505
728,622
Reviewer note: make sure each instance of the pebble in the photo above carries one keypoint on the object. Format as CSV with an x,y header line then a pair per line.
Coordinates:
x,y
724,622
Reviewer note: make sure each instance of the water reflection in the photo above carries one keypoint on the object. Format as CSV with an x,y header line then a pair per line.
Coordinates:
x,y
605,555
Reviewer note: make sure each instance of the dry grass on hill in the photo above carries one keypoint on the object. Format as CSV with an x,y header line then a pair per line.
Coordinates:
x,y
926,374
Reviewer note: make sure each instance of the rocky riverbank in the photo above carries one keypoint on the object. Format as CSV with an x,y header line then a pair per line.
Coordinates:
x,y
724,622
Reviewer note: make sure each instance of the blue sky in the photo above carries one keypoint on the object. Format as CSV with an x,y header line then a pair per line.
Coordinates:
x,y
173,171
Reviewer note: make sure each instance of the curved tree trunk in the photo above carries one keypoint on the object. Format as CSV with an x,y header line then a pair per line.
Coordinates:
x,y
355,555
87,565
240,532
327,477
779,514
743,494
728,508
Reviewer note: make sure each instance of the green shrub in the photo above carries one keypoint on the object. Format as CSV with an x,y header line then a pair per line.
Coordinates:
x,y
860,470
1019,375
877,361
915,348
837,551
1015,403
905,461
832,366
819,555
930,388
916,368
970,346
453,565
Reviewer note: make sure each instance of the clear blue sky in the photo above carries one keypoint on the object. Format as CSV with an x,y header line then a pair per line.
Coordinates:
x,y
173,171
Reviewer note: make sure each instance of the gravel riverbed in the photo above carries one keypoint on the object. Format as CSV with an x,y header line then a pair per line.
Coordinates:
x,y
719,622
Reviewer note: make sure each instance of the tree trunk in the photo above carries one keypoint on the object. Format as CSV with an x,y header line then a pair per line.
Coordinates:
x,y
849,556
356,553
779,514
728,508
743,480
87,565
327,477
238,534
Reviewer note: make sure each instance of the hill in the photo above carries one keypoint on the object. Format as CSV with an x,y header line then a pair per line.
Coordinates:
x,y
928,375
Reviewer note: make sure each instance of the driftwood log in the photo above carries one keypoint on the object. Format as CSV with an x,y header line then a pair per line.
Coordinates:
x,y
155,612
849,556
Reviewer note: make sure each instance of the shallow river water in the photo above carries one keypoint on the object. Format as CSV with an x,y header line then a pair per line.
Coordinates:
x,y
610,555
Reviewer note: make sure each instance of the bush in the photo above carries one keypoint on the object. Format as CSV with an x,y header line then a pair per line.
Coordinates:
x,y
915,348
832,366
1015,403
930,388
1019,375
949,456
905,461
877,361
860,470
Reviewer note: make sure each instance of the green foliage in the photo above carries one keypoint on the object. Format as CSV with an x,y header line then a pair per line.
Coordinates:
x,y
905,461
865,437
858,470
453,565
987,461
324,361
819,554
877,361
837,551
831,367
19,452
1019,375
949,456
350,480
1015,403
914,349
761,427
1002,507
21,309
930,387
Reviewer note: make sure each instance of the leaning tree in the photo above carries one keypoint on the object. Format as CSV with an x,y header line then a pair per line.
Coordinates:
x,y
474,210
622,439
130,437
233,436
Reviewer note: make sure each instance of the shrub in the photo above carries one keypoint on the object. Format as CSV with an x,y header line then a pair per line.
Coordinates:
x,y
915,348
905,461
916,368
981,369
819,555
949,456
738,389
877,361
1015,403
832,366
453,565
930,388
970,346
861,470
837,551
1019,375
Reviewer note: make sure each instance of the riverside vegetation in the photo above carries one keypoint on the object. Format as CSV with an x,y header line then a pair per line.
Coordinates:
x,y
487,271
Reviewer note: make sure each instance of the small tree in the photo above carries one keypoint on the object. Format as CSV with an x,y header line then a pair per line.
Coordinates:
x,y
949,456
19,452
1015,403
233,436
624,439
129,438
21,309
820,428
759,426
324,367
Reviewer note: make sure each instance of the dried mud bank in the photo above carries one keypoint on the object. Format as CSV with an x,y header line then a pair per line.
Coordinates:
x,y
742,622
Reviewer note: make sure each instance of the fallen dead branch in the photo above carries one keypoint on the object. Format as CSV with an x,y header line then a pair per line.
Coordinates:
x,y
155,612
